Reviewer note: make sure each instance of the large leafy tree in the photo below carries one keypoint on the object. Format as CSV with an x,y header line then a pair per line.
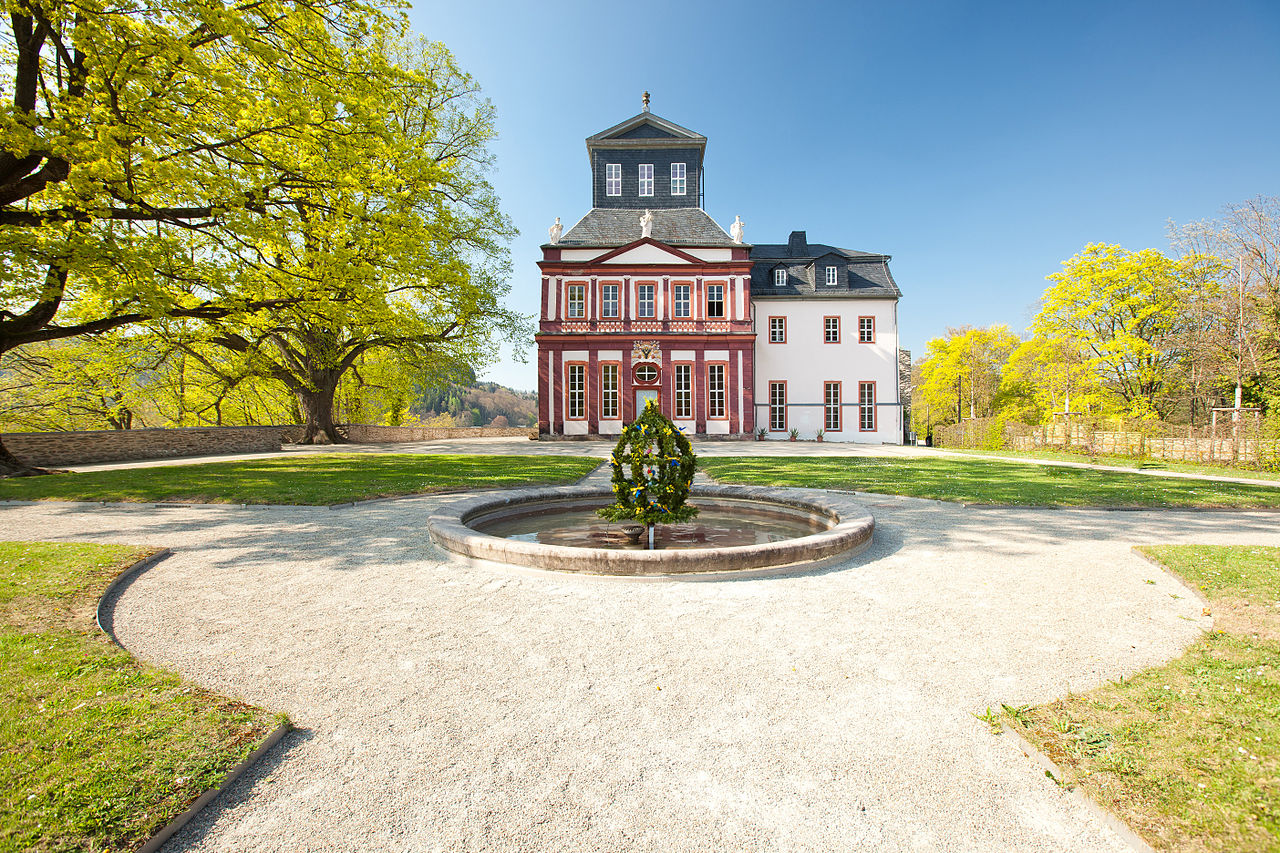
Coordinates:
x,y
139,167
410,261
961,373
1130,314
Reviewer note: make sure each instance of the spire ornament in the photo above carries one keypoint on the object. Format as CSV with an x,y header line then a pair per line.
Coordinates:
x,y
645,101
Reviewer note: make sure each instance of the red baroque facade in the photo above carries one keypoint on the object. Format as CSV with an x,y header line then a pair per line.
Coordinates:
x,y
645,320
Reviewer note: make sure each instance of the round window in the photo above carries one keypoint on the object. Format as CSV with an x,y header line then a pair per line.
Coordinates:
x,y
646,373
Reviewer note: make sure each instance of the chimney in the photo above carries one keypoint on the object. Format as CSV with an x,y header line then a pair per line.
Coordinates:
x,y
798,245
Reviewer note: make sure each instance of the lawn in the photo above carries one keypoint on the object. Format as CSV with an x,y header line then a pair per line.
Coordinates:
x,y
97,751
1125,462
987,481
1188,754
315,480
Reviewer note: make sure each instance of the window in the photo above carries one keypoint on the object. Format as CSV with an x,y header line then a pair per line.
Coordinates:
x,y
680,301
683,384
646,179
831,275
613,179
677,179
831,406
645,373
866,406
777,330
577,300
831,330
575,390
780,277
609,300
644,300
715,391
715,300
609,391
866,330
777,406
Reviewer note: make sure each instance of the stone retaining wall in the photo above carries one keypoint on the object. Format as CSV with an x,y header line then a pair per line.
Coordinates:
x,y
52,449
372,434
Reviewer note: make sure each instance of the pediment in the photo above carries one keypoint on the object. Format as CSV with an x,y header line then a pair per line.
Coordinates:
x,y
646,251
646,126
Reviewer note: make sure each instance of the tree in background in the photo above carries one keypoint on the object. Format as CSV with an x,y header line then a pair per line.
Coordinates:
x,y
1046,375
960,375
1130,314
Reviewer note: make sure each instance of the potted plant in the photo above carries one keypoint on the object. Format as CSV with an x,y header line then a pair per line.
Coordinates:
x,y
761,433
794,434
819,435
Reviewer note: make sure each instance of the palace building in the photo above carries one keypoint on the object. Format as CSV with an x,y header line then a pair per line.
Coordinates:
x,y
646,297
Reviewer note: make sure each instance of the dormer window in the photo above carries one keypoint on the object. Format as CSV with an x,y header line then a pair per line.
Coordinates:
x,y
780,277
831,276
677,178
646,179
613,179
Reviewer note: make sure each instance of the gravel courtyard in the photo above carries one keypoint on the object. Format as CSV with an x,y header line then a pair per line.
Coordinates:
x,y
443,707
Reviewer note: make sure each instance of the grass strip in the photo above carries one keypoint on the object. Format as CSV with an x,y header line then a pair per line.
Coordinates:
x,y
983,481
312,480
1147,464
1188,754
97,750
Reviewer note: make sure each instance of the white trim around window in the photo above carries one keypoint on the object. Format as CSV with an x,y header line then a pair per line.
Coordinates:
x,y
677,179
613,179
646,179
831,276
780,277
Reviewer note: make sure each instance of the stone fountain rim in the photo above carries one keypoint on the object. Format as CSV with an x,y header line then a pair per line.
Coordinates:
x,y
851,532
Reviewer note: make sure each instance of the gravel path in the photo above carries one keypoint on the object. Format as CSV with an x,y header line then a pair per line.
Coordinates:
x,y
453,708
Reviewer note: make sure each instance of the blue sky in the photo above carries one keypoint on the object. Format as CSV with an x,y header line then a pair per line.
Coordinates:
x,y
979,144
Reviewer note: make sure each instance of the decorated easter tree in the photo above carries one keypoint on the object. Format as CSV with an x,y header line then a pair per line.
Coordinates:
x,y
653,467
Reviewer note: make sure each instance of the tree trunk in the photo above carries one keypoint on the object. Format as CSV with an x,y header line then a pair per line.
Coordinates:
x,y
317,410
12,466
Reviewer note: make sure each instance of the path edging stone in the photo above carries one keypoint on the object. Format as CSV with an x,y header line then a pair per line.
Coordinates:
x,y
1054,772
106,623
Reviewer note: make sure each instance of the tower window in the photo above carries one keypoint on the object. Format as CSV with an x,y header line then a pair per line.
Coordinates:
x,y
646,179
613,179
831,276
677,179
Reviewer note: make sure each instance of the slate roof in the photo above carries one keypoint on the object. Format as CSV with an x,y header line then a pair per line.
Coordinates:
x,y
681,226
861,275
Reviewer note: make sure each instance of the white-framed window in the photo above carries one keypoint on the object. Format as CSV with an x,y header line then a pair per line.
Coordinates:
x,y
867,406
866,330
577,301
644,300
609,391
831,330
716,391
677,179
575,391
613,179
646,179
777,330
780,277
608,300
831,406
831,276
777,406
683,386
680,300
715,300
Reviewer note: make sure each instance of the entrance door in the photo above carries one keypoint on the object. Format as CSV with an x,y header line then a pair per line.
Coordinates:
x,y
643,397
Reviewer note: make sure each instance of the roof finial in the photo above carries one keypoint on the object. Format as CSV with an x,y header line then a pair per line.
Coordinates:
x,y
646,102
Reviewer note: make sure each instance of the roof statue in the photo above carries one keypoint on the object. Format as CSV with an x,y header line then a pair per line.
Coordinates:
x,y
645,100
646,224
555,231
735,230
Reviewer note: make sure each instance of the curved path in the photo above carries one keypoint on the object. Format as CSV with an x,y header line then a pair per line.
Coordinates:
x,y
452,708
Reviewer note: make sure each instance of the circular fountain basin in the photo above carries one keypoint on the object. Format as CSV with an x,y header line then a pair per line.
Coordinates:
x,y
752,530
